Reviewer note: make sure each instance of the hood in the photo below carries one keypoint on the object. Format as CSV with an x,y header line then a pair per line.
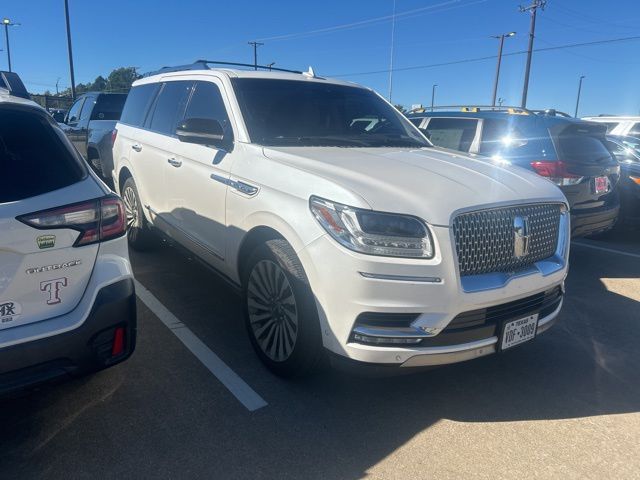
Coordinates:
x,y
431,183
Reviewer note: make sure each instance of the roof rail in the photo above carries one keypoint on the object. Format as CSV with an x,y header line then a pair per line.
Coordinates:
x,y
476,108
12,82
552,112
204,65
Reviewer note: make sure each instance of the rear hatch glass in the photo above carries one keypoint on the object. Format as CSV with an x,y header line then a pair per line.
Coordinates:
x,y
584,144
41,274
108,107
33,157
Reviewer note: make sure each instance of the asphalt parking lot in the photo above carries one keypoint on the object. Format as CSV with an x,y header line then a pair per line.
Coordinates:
x,y
566,405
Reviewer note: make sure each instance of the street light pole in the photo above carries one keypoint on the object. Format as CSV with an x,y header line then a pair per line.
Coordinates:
x,y
433,94
73,79
495,83
578,99
7,23
393,33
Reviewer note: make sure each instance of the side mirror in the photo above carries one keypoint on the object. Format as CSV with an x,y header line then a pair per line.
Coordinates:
x,y
203,131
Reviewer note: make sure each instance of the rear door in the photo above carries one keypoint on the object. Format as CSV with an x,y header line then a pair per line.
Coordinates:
x,y
42,275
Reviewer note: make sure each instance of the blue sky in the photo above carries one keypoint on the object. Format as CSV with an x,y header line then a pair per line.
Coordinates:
x,y
149,34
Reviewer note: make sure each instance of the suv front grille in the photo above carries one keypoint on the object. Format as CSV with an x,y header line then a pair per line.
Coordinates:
x,y
485,239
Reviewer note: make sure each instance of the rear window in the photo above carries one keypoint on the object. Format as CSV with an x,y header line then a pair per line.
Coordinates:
x,y
582,145
454,133
108,107
33,158
137,104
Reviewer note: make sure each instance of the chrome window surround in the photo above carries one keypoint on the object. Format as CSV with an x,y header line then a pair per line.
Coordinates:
x,y
545,267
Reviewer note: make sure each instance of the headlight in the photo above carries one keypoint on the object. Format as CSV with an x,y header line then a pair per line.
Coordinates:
x,y
373,233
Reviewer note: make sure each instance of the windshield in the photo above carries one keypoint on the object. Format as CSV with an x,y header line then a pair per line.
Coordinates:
x,y
293,112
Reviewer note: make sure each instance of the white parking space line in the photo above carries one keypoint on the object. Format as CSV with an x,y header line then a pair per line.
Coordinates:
x,y
604,249
238,387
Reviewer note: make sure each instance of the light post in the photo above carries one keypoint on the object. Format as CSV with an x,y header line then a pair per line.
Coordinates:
x,y
8,23
495,83
270,65
73,79
578,99
433,94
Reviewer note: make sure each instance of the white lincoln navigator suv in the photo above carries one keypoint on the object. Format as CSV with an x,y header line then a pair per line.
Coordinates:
x,y
345,229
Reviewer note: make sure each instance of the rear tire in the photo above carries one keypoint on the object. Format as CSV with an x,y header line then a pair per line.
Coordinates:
x,y
139,234
280,310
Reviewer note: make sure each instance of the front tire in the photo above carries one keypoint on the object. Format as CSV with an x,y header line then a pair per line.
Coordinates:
x,y
139,234
280,310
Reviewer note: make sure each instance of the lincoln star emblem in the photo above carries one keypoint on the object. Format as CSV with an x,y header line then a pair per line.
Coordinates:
x,y
520,236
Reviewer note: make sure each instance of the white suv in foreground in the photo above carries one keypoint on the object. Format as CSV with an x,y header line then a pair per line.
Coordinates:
x,y
341,224
67,300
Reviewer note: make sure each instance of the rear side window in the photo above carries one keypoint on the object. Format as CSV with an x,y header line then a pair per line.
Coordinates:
x,y
33,158
108,107
454,133
170,106
206,102
138,103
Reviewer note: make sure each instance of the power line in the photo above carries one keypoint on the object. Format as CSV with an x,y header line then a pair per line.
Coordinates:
x,y
490,57
371,21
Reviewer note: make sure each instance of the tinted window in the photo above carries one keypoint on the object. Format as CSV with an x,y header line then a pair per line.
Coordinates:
x,y
137,104
454,133
33,158
206,102
578,147
169,107
87,108
74,111
310,113
416,121
108,107
635,130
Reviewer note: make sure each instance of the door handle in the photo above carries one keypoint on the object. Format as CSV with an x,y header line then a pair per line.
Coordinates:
x,y
174,163
137,147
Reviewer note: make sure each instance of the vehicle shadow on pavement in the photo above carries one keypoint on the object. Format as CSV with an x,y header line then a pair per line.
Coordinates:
x,y
332,425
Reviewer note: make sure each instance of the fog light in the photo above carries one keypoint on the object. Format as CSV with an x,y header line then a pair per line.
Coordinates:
x,y
358,337
118,342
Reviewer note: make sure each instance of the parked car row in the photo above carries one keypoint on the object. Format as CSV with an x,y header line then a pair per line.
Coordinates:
x,y
346,231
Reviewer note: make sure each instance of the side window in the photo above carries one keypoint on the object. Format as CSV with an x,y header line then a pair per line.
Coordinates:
x,y
493,134
169,107
206,102
74,112
454,133
138,102
87,108
635,130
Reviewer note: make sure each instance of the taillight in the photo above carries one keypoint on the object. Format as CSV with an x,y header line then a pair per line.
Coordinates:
x,y
96,220
556,171
114,135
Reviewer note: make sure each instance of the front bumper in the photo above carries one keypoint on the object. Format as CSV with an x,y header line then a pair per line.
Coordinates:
x,y
347,284
84,349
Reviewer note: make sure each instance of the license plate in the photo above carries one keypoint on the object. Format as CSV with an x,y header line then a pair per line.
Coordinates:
x,y
601,184
519,331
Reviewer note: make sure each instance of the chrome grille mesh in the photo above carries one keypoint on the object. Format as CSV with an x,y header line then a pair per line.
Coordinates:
x,y
485,240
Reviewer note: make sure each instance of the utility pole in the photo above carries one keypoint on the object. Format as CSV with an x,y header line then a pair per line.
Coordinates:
x,y
8,23
255,53
532,9
73,79
433,94
393,34
578,99
495,83
57,82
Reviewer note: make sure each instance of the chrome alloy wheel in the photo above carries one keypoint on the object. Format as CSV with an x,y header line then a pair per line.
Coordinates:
x,y
273,313
131,207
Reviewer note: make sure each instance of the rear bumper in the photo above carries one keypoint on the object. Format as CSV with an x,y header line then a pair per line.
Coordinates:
x,y
593,221
84,349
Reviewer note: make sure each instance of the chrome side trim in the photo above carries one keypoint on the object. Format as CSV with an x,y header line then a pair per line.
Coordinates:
x,y
548,266
401,278
242,187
